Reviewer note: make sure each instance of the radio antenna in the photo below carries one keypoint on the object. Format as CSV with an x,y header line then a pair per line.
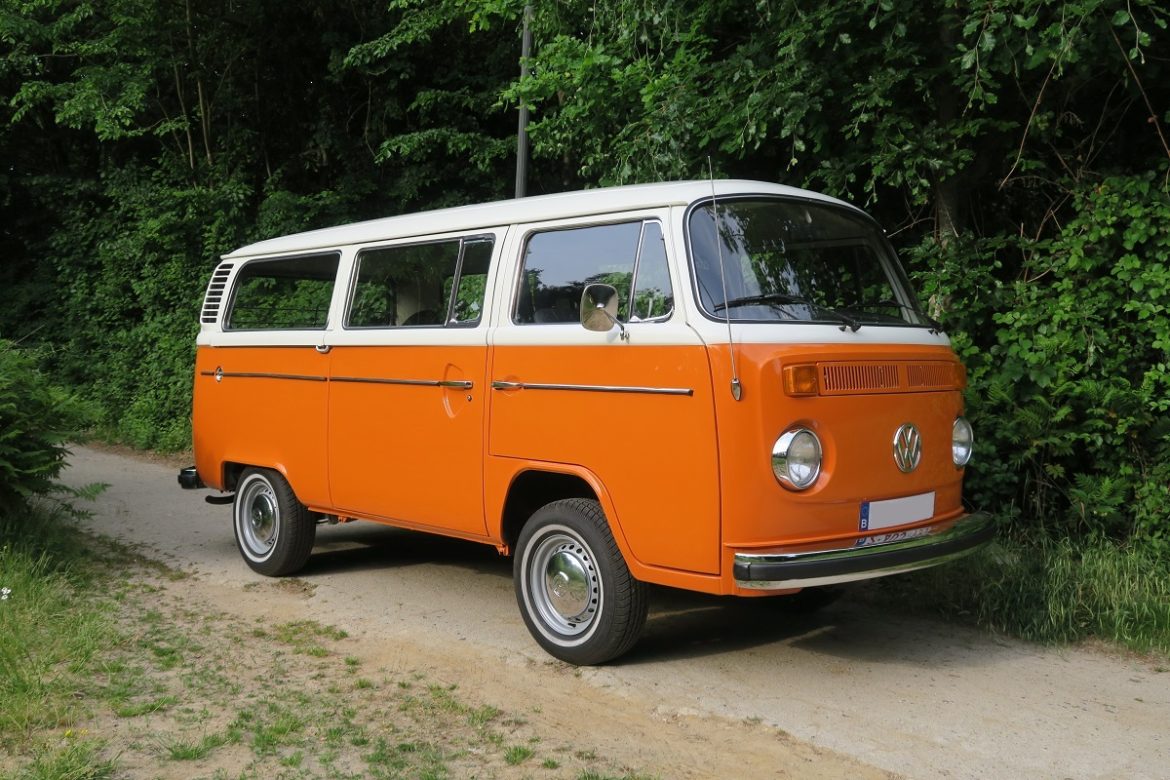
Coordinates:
x,y
736,387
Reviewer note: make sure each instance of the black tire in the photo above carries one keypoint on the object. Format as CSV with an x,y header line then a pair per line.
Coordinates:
x,y
575,592
274,531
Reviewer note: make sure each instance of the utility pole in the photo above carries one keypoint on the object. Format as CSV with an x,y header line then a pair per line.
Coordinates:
x,y
522,132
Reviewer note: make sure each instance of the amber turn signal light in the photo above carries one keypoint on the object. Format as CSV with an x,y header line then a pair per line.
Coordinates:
x,y
800,380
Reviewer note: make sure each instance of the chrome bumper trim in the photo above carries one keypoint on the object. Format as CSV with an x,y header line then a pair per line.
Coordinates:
x,y
803,569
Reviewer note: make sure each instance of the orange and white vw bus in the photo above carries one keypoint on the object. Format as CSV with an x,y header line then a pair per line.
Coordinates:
x,y
724,386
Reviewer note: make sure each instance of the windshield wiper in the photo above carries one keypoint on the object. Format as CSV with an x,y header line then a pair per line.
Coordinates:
x,y
935,325
783,299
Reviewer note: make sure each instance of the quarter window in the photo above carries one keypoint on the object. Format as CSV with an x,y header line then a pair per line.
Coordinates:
x,y
558,264
653,297
289,293
412,285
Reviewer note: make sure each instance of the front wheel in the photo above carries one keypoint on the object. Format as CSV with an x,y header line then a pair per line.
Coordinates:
x,y
575,592
274,531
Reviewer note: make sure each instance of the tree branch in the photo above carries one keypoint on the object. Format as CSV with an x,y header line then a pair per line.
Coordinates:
x,y
1137,81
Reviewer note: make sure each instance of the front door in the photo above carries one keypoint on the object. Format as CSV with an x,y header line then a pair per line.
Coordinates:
x,y
636,411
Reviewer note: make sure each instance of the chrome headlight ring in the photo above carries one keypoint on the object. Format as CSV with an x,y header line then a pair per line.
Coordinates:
x,y
962,442
796,458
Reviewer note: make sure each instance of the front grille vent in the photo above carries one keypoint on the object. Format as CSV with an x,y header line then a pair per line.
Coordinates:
x,y
930,375
215,292
858,378
851,377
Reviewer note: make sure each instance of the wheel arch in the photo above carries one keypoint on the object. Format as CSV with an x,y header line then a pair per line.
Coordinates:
x,y
533,485
230,471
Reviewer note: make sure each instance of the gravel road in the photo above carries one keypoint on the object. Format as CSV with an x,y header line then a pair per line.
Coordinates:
x,y
716,685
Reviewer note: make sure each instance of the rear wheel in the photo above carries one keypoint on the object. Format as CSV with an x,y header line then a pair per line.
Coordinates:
x,y
575,592
274,531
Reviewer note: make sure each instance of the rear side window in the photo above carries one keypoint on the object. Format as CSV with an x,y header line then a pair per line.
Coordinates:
x,y
290,293
558,264
414,285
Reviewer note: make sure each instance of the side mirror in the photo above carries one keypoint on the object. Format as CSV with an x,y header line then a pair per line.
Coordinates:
x,y
599,307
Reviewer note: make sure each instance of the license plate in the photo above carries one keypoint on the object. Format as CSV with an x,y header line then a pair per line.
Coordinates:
x,y
876,515
892,536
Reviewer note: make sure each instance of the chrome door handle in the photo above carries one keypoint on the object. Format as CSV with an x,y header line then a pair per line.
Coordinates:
x,y
323,348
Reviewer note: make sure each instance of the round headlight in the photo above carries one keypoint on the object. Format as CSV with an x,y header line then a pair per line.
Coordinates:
x,y
962,442
796,458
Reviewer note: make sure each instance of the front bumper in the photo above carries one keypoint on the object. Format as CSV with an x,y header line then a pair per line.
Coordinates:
x,y
874,556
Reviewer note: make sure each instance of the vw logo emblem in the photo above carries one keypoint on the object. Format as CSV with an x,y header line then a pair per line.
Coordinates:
x,y
907,448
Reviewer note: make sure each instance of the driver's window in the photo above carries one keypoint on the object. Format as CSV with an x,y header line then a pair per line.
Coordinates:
x,y
559,264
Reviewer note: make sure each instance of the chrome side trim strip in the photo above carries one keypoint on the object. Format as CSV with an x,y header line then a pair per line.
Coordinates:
x,y
261,375
500,385
448,383
798,569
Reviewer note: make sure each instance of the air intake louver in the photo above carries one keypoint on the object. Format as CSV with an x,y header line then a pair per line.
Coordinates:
x,y
930,375
847,377
858,378
215,293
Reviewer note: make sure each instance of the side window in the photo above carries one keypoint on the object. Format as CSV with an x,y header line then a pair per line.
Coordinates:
x,y
288,293
411,285
558,264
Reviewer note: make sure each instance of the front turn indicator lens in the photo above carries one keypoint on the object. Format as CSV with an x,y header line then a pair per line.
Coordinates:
x,y
801,380
796,458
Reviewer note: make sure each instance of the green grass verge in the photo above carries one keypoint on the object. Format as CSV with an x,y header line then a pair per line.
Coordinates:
x,y
52,621
112,666
1053,592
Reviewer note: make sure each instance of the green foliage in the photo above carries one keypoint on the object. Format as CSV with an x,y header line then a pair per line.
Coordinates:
x,y
1070,384
36,419
145,140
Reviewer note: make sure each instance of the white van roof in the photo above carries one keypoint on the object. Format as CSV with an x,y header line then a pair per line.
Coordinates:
x,y
508,212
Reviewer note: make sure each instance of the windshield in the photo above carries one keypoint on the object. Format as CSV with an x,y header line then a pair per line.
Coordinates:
x,y
797,261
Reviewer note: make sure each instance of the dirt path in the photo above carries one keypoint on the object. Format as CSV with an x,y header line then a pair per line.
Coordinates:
x,y
717,688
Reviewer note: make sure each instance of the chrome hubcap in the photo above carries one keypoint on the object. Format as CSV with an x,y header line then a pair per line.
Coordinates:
x,y
568,585
564,584
263,518
259,524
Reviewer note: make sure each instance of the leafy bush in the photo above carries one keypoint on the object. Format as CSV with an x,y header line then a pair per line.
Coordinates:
x,y
1070,376
36,419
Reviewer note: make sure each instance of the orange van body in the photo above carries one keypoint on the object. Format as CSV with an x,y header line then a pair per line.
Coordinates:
x,y
659,431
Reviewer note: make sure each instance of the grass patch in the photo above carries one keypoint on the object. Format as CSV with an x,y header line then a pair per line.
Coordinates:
x,y
76,761
518,754
108,663
196,750
52,622
1053,592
